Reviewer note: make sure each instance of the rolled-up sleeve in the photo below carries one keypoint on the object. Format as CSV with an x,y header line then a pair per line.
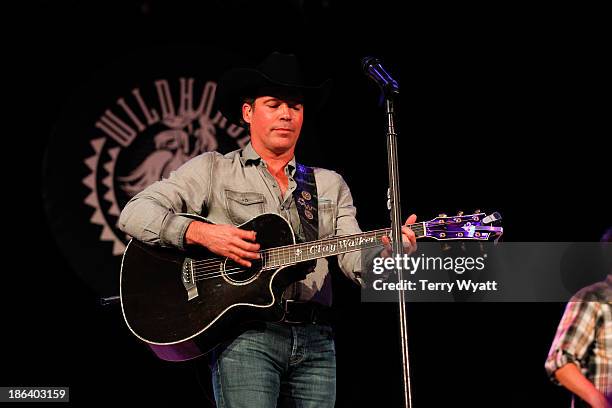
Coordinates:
x,y
152,215
574,336
350,263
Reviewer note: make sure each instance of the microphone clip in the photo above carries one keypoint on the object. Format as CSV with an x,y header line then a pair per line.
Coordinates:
x,y
373,68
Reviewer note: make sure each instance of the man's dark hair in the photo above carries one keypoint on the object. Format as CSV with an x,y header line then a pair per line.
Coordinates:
x,y
251,101
280,92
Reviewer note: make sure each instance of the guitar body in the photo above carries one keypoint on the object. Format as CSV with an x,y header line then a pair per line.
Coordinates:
x,y
183,303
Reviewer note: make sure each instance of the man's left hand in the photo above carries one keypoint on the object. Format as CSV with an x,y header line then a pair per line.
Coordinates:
x,y
408,238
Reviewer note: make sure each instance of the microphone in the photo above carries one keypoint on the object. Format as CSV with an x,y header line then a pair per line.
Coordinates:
x,y
371,67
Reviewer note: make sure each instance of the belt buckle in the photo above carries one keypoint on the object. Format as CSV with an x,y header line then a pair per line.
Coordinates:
x,y
287,313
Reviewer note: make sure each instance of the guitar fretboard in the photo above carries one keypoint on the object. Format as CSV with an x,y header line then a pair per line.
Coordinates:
x,y
307,251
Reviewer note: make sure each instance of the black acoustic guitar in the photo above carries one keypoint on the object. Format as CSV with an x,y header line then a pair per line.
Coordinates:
x,y
183,303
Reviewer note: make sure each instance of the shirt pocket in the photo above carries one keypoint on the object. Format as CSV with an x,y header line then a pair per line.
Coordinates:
x,y
242,206
327,217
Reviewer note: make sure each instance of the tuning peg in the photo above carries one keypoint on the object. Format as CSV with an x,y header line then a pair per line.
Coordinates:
x,y
459,213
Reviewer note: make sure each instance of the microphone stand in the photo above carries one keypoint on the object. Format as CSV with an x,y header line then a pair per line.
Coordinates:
x,y
394,207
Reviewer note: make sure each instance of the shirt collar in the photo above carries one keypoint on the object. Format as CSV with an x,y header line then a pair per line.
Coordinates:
x,y
249,155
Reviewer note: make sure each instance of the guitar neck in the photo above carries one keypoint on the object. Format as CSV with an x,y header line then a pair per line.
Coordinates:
x,y
322,248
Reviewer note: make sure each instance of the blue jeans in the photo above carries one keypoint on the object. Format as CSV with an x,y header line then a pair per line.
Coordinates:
x,y
276,365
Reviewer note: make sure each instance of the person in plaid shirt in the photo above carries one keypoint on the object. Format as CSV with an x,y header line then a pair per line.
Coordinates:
x,y
580,357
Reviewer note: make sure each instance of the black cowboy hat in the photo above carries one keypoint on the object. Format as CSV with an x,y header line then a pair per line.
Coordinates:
x,y
276,71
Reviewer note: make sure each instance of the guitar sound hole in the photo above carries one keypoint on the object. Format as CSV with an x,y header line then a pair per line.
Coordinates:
x,y
239,274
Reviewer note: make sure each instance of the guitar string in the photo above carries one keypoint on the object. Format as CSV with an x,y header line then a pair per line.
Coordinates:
x,y
276,251
274,259
208,273
417,227
205,266
284,247
219,275
216,274
202,271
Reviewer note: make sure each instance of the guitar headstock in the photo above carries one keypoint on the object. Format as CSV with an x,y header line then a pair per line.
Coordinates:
x,y
477,226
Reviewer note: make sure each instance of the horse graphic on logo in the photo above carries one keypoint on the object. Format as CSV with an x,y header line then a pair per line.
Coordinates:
x,y
172,149
170,138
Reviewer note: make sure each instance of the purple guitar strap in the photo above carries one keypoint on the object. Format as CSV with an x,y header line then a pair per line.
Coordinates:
x,y
307,204
306,201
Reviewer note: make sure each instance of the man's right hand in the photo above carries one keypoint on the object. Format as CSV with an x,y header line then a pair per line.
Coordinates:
x,y
225,240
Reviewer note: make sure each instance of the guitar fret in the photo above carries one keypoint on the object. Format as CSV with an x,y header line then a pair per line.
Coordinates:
x,y
274,260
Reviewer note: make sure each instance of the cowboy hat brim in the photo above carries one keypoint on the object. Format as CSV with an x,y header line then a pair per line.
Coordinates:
x,y
238,83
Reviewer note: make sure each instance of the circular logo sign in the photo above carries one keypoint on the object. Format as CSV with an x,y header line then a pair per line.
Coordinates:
x,y
131,125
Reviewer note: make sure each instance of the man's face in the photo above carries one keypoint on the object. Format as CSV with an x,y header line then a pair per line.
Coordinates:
x,y
275,121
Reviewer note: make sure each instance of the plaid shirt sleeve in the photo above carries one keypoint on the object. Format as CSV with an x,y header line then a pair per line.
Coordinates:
x,y
574,335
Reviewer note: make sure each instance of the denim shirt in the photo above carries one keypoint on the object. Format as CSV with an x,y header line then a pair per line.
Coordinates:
x,y
233,188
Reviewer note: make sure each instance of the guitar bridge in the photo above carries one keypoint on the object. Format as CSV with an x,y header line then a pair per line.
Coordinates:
x,y
188,278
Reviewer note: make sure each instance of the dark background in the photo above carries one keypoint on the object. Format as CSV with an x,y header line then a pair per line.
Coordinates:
x,y
501,109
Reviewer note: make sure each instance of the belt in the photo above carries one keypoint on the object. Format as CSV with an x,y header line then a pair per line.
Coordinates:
x,y
299,312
